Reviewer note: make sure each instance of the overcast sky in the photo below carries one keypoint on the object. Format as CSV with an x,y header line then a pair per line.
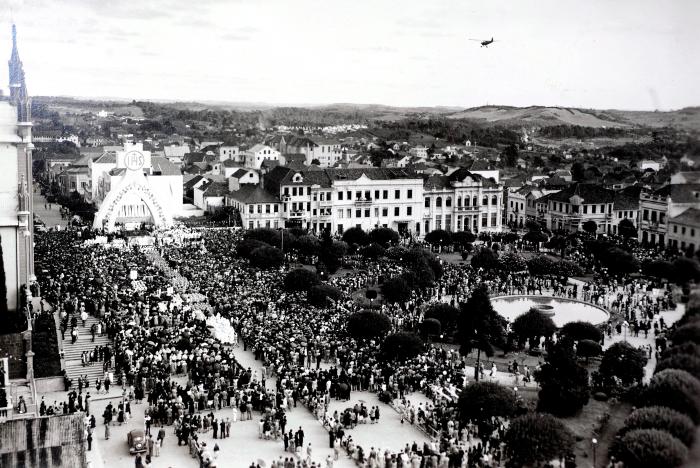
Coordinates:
x,y
595,53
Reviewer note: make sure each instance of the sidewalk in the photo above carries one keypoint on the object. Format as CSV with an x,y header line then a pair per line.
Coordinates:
x,y
50,217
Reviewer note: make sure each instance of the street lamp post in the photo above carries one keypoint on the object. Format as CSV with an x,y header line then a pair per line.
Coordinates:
x,y
594,441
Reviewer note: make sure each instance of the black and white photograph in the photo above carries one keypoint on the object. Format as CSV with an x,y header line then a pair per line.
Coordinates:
x,y
350,234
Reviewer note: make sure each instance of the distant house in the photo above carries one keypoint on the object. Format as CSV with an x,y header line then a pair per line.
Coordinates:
x,y
256,155
648,164
210,196
242,177
419,151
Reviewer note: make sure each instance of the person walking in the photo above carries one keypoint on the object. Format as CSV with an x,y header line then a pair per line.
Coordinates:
x,y
106,430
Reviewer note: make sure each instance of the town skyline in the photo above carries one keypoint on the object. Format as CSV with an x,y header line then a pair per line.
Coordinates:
x,y
641,58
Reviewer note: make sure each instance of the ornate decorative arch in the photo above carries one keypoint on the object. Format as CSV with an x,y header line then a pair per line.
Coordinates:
x,y
107,215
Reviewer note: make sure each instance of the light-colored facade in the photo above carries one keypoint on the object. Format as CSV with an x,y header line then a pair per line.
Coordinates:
x,y
684,231
258,154
657,207
571,208
339,199
462,201
16,210
141,188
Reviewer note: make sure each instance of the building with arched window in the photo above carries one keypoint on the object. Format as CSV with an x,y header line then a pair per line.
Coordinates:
x,y
468,189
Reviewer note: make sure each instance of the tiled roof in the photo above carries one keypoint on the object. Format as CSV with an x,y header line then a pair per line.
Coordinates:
x,y
239,173
680,193
252,194
106,158
590,193
216,189
625,202
165,167
192,182
690,216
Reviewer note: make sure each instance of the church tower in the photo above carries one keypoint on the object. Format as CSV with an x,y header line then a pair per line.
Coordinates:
x,y
16,210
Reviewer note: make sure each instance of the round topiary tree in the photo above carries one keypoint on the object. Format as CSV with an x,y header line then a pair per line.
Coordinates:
x,y
266,235
675,389
430,327
568,269
512,262
485,258
446,314
480,401
686,362
372,251
650,448
266,257
385,237
401,346
588,349
582,331
300,279
356,236
245,248
320,294
541,265
537,438
368,324
439,237
686,270
532,325
688,333
624,361
396,290
677,424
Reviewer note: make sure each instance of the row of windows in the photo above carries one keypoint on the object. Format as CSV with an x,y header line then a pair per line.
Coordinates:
x,y
252,209
448,201
683,230
654,216
359,194
342,213
515,205
566,207
367,195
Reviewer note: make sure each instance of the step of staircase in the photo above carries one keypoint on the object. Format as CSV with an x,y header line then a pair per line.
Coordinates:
x,y
72,352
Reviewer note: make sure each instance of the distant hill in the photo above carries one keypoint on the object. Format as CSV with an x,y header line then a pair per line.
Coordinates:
x,y
507,116
539,116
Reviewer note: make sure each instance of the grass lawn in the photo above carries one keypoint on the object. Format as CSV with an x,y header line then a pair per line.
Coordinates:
x,y
587,422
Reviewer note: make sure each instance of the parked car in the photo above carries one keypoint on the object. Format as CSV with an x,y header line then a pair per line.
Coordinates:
x,y
136,440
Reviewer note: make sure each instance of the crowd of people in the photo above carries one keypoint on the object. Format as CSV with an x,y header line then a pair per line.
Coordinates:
x,y
195,300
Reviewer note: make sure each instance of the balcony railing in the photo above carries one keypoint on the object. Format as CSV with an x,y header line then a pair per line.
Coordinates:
x,y
296,214
363,201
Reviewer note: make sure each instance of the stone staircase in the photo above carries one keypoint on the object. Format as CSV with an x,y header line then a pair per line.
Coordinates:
x,y
73,351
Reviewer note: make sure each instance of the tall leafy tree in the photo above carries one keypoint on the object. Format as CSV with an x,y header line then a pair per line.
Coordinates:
x,y
564,387
480,327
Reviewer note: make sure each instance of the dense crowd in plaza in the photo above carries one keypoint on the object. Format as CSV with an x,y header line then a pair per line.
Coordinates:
x,y
195,290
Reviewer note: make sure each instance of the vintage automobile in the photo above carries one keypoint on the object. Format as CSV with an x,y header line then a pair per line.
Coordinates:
x,y
137,441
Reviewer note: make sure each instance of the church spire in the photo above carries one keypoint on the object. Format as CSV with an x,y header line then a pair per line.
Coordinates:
x,y
18,88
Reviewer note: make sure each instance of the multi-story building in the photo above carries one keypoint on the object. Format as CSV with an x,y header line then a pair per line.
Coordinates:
x,y
326,151
258,154
572,207
257,207
338,199
232,153
656,207
684,231
462,201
